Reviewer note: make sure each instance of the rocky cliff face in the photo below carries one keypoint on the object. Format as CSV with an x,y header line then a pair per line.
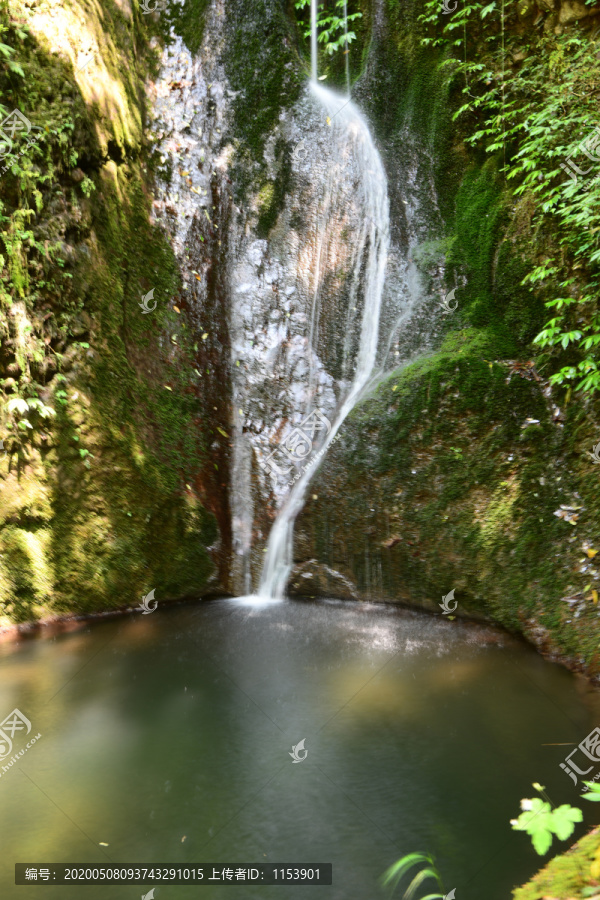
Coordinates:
x,y
134,440
104,491
274,214
465,470
460,474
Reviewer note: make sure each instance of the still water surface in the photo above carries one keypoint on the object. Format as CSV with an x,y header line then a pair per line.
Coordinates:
x,y
167,737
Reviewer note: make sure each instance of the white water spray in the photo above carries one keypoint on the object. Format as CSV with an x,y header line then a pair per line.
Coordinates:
x,y
351,134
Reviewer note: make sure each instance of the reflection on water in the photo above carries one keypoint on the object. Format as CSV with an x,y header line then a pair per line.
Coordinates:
x,y
167,737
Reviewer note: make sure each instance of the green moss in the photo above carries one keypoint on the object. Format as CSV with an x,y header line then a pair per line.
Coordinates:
x,y
522,310
439,457
189,20
566,876
98,505
271,197
260,66
133,525
442,456
26,588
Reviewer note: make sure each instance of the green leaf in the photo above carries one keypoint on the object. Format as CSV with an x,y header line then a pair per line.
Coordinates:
x,y
594,792
564,819
402,866
541,840
532,818
539,821
417,881
17,404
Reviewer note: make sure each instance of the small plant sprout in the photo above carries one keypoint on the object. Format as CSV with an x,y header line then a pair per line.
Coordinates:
x,y
427,870
541,822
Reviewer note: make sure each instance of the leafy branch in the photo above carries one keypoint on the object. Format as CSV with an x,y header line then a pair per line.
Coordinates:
x,y
533,98
329,25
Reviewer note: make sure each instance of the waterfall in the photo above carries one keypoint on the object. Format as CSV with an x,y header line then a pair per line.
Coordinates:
x,y
352,136
313,40
347,50
306,304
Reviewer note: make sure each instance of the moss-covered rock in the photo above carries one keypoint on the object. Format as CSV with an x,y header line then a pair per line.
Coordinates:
x,y
101,493
572,874
455,472
450,477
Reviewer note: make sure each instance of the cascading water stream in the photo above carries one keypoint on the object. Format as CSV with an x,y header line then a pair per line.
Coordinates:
x,y
305,304
347,47
313,40
351,132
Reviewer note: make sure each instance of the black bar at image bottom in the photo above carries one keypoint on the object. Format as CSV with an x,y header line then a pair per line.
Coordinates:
x,y
167,873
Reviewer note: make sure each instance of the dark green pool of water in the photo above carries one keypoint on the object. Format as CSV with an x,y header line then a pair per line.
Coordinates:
x,y
167,737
